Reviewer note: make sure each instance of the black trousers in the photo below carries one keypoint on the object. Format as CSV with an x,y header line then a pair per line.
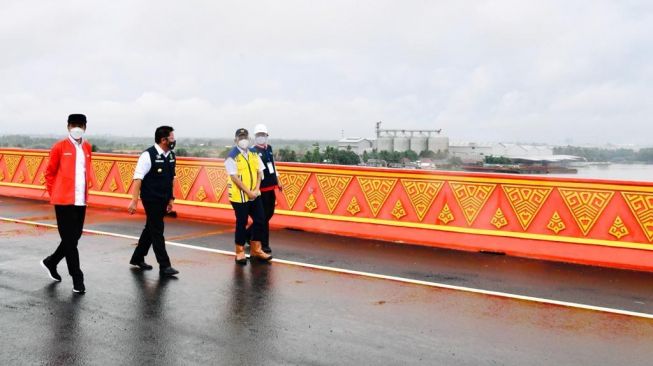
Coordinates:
x,y
268,199
70,223
152,234
243,211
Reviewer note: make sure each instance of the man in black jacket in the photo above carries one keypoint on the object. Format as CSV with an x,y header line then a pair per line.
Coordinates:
x,y
269,183
153,180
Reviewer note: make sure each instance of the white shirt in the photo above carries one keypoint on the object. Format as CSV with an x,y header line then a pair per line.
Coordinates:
x,y
232,167
80,173
145,163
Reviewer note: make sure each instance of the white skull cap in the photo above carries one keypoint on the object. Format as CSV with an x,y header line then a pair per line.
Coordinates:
x,y
260,128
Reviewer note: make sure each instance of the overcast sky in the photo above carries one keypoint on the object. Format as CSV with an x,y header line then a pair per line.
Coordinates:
x,y
514,70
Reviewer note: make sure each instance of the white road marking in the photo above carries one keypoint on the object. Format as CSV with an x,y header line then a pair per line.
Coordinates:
x,y
373,275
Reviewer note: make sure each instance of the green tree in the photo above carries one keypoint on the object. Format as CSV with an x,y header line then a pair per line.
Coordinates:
x,y
454,160
225,152
410,154
489,159
313,156
286,155
645,155
427,154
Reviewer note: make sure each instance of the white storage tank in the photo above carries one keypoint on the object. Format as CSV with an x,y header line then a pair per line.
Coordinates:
x,y
418,143
438,143
401,143
384,144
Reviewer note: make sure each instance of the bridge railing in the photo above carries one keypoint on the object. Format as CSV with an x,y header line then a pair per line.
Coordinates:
x,y
597,222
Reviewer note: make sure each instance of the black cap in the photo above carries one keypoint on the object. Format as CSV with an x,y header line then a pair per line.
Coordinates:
x,y
241,131
77,118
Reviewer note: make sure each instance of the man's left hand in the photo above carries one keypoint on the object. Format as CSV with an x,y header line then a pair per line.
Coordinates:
x,y
170,205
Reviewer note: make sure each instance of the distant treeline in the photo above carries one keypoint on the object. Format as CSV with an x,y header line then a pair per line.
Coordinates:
x,y
611,155
306,151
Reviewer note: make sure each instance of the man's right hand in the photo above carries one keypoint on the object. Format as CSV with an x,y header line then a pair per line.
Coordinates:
x,y
252,195
132,206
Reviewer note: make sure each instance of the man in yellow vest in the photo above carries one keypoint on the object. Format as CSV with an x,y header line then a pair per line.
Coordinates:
x,y
245,170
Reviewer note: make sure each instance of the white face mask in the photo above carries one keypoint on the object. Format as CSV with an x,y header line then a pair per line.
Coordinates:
x,y
243,144
261,140
76,133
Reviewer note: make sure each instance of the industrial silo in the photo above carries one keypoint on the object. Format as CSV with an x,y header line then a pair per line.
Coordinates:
x,y
438,143
384,144
401,143
418,143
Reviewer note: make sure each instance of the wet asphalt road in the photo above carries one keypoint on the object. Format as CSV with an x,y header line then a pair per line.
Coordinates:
x,y
605,287
218,313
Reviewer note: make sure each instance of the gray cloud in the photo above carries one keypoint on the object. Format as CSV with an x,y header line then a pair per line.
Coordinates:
x,y
482,70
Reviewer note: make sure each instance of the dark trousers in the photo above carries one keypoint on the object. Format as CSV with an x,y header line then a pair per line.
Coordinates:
x,y
152,234
243,211
70,223
268,199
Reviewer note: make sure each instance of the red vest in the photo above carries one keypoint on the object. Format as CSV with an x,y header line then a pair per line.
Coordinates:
x,y
60,173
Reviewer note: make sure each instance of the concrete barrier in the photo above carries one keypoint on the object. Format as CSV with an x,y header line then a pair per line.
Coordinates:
x,y
597,222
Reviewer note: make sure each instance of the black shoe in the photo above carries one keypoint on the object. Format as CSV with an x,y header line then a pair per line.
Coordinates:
x,y
78,287
168,271
52,270
142,265
242,262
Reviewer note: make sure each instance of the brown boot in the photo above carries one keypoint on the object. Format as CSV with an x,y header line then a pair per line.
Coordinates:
x,y
241,258
255,251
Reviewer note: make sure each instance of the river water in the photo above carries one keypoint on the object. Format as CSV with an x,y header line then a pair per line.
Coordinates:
x,y
631,172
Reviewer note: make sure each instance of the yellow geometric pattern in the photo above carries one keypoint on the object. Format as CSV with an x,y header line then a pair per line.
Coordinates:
x,y
101,169
311,203
20,178
376,191
618,228
201,194
499,219
293,184
422,193
42,180
471,197
113,185
555,223
641,204
446,216
32,163
526,201
11,162
333,187
398,211
126,172
353,208
186,176
585,205
218,179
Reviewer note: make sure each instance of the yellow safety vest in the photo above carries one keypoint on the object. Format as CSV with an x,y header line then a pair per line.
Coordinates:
x,y
247,172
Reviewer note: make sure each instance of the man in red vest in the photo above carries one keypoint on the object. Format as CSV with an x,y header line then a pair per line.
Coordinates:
x,y
67,180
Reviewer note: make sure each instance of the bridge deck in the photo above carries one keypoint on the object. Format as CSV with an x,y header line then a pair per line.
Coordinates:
x,y
219,313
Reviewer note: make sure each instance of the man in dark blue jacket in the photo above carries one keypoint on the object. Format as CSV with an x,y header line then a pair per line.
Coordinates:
x,y
153,182
269,183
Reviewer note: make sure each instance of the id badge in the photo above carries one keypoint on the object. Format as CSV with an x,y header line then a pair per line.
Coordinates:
x,y
270,167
